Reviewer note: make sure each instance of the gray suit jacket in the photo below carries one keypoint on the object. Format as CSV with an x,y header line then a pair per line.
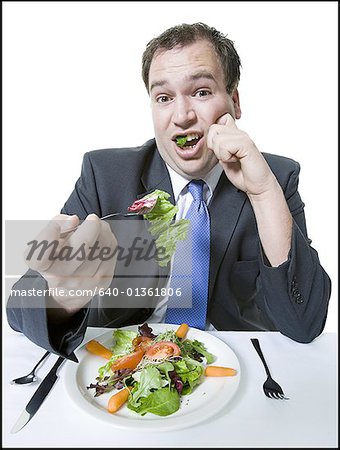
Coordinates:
x,y
245,293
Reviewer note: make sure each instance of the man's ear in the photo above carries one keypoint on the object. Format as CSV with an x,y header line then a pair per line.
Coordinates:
x,y
236,100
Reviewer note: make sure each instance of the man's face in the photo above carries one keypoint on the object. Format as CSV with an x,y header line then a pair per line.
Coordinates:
x,y
188,94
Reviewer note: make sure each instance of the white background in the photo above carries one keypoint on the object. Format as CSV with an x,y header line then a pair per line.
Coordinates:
x,y
72,83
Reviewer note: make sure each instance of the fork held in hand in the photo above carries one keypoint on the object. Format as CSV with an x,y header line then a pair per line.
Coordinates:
x,y
66,232
270,387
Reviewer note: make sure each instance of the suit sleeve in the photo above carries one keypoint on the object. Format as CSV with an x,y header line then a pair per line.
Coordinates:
x,y
28,314
296,294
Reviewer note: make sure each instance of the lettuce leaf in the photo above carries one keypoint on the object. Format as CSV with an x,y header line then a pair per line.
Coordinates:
x,y
163,209
181,141
122,341
195,349
122,346
161,402
162,227
200,348
191,373
165,368
150,378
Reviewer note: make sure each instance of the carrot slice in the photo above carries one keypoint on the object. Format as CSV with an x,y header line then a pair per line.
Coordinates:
x,y
182,330
98,349
129,361
219,371
116,401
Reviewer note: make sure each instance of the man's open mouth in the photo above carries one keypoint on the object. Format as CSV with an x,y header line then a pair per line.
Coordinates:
x,y
187,140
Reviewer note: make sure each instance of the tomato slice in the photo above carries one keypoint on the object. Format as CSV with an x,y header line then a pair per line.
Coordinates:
x,y
163,350
142,342
130,361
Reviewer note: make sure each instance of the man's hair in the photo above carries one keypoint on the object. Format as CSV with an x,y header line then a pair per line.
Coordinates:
x,y
185,34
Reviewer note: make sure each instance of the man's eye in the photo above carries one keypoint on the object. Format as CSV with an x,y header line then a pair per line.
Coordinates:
x,y
202,93
163,99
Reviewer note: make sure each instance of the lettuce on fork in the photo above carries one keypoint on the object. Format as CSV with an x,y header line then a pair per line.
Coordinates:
x,y
156,209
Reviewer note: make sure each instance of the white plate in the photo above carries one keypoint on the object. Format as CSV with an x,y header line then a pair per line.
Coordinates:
x,y
208,398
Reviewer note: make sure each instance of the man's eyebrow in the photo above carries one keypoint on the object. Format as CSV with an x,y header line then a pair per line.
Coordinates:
x,y
157,83
202,74
195,76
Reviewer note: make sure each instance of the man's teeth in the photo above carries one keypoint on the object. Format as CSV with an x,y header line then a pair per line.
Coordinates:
x,y
191,137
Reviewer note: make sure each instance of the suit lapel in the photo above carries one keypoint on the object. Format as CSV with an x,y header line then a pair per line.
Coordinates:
x,y
156,176
225,208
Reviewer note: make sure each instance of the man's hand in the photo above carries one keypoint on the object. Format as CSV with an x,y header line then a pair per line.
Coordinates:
x,y
65,263
247,169
242,162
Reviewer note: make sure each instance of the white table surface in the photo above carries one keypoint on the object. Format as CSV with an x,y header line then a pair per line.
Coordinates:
x,y
307,373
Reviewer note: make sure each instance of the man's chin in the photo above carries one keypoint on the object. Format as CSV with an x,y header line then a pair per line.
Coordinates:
x,y
197,166
194,168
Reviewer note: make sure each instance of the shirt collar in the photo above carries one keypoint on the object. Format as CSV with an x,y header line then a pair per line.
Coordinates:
x,y
179,182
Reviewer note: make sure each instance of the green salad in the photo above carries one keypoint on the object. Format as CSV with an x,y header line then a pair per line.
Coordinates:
x,y
156,208
157,370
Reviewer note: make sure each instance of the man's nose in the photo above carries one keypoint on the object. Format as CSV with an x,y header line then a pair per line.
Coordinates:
x,y
184,114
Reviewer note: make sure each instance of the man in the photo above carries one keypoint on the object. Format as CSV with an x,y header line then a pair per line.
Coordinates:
x,y
263,273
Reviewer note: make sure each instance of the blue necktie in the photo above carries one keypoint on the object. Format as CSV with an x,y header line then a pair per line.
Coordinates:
x,y
190,272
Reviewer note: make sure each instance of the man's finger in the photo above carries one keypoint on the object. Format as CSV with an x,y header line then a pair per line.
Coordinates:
x,y
67,222
77,246
226,120
105,255
38,256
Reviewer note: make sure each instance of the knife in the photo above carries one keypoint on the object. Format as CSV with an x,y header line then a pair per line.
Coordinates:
x,y
38,397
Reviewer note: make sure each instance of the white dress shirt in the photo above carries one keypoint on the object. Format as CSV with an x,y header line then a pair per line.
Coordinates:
x,y
183,200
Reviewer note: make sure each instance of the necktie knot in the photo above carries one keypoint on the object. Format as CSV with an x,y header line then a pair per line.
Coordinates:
x,y
195,187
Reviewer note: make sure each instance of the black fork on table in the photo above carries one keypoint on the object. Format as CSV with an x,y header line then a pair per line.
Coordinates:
x,y
270,387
